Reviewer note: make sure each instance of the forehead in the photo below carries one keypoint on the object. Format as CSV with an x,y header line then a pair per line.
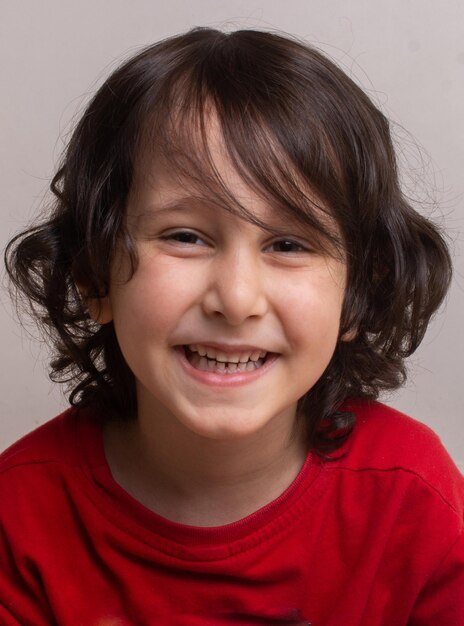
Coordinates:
x,y
191,153
170,176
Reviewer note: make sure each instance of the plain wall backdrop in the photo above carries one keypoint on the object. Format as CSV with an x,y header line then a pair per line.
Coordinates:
x,y
408,55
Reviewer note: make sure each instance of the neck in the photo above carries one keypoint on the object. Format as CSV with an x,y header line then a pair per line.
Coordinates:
x,y
199,481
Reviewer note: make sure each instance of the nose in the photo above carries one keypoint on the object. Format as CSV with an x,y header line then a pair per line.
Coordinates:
x,y
236,288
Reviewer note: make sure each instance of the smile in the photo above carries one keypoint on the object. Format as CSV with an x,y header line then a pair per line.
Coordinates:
x,y
226,362
210,359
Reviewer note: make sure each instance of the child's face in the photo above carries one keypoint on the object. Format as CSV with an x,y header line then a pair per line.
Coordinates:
x,y
212,289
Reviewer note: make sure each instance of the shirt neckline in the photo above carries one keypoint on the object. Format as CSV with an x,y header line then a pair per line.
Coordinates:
x,y
184,541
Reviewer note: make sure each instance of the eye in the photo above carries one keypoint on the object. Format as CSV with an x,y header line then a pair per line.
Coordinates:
x,y
287,246
184,237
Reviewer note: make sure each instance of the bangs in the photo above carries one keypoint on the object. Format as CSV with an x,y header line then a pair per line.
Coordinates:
x,y
263,131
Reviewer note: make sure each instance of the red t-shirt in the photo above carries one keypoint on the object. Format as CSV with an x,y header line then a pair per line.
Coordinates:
x,y
372,538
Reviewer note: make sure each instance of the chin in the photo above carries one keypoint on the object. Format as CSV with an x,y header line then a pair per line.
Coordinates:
x,y
226,428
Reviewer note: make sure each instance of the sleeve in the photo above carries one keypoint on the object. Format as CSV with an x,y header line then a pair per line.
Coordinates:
x,y
20,604
6,618
22,601
442,599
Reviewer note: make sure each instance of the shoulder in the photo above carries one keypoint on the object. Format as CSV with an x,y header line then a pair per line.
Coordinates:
x,y
386,440
45,472
52,442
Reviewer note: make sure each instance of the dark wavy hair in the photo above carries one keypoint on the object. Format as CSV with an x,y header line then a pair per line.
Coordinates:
x,y
296,128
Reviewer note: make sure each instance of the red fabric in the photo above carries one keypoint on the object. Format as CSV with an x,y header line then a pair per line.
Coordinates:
x,y
374,538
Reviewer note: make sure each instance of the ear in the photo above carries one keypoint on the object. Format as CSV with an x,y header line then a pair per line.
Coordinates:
x,y
349,335
99,309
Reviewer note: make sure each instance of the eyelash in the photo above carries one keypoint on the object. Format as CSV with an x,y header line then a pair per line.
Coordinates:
x,y
289,242
181,236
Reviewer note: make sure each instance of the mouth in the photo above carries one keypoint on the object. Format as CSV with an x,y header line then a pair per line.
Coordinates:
x,y
215,360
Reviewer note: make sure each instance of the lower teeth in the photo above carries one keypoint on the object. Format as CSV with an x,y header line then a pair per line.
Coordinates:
x,y
211,365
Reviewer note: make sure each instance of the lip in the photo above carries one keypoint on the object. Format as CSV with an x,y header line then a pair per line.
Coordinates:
x,y
234,379
228,348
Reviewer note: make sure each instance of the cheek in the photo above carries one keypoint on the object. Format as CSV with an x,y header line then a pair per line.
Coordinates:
x,y
311,318
155,297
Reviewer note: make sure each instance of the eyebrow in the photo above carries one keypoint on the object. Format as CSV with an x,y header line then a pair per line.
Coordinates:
x,y
176,205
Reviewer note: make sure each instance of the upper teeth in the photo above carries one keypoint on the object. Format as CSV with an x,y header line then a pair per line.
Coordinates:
x,y
235,357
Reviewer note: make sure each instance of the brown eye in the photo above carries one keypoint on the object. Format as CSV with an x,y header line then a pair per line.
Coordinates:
x,y
286,246
184,236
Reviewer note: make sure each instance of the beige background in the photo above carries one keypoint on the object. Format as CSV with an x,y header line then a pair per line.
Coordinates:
x,y
409,55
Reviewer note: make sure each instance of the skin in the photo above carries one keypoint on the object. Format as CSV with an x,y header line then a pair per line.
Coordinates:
x,y
208,450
